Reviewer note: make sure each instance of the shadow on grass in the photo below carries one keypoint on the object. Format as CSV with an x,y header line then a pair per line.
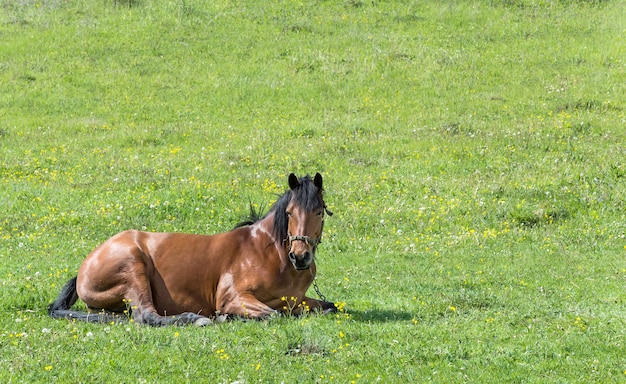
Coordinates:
x,y
379,315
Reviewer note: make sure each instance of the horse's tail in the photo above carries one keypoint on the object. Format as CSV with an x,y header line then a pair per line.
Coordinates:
x,y
60,308
64,301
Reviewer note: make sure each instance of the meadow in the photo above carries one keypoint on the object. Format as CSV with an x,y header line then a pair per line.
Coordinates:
x,y
473,154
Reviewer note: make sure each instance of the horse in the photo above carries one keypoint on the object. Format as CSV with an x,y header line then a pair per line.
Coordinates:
x,y
262,267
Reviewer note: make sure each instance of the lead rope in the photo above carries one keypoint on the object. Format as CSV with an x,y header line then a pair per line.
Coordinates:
x,y
317,289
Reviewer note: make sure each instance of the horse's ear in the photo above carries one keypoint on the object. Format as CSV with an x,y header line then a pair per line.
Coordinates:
x,y
293,181
317,180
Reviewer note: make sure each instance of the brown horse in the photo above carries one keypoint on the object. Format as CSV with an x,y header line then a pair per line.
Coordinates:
x,y
261,267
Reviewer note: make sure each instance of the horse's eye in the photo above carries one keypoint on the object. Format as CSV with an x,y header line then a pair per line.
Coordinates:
x,y
288,214
320,213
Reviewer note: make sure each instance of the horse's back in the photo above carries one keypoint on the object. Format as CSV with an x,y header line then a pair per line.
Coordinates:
x,y
153,248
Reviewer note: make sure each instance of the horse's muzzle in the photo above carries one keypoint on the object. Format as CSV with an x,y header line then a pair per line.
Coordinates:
x,y
301,262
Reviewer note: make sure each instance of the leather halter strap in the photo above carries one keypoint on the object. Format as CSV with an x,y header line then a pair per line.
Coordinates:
x,y
309,240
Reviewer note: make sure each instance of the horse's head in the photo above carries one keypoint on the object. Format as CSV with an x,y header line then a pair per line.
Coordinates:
x,y
305,219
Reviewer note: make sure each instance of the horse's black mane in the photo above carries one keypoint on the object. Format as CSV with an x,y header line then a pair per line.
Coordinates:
x,y
254,216
306,196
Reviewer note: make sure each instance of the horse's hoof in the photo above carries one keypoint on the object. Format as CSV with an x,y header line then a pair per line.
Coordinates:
x,y
329,310
328,307
203,321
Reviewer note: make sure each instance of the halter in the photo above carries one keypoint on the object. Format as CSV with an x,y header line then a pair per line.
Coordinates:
x,y
309,240
314,243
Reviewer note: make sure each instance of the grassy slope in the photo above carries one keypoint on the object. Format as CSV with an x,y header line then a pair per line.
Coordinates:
x,y
472,152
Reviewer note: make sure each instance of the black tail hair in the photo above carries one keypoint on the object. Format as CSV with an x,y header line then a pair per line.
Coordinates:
x,y
60,308
66,298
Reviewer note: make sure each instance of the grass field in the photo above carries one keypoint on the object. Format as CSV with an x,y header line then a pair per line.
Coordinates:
x,y
473,153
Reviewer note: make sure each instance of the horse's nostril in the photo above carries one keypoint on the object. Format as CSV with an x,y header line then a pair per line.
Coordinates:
x,y
302,261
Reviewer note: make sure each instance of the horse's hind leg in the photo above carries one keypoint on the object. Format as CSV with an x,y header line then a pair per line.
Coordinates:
x,y
138,297
116,277
185,318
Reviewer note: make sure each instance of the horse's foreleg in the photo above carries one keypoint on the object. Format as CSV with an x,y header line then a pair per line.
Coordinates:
x,y
248,306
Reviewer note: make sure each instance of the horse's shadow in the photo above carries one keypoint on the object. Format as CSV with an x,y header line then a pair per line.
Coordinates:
x,y
379,315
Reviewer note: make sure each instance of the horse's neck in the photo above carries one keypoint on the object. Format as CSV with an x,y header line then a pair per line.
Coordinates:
x,y
263,230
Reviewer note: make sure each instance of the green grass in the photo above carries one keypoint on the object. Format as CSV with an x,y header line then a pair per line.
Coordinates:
x,y
472,152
